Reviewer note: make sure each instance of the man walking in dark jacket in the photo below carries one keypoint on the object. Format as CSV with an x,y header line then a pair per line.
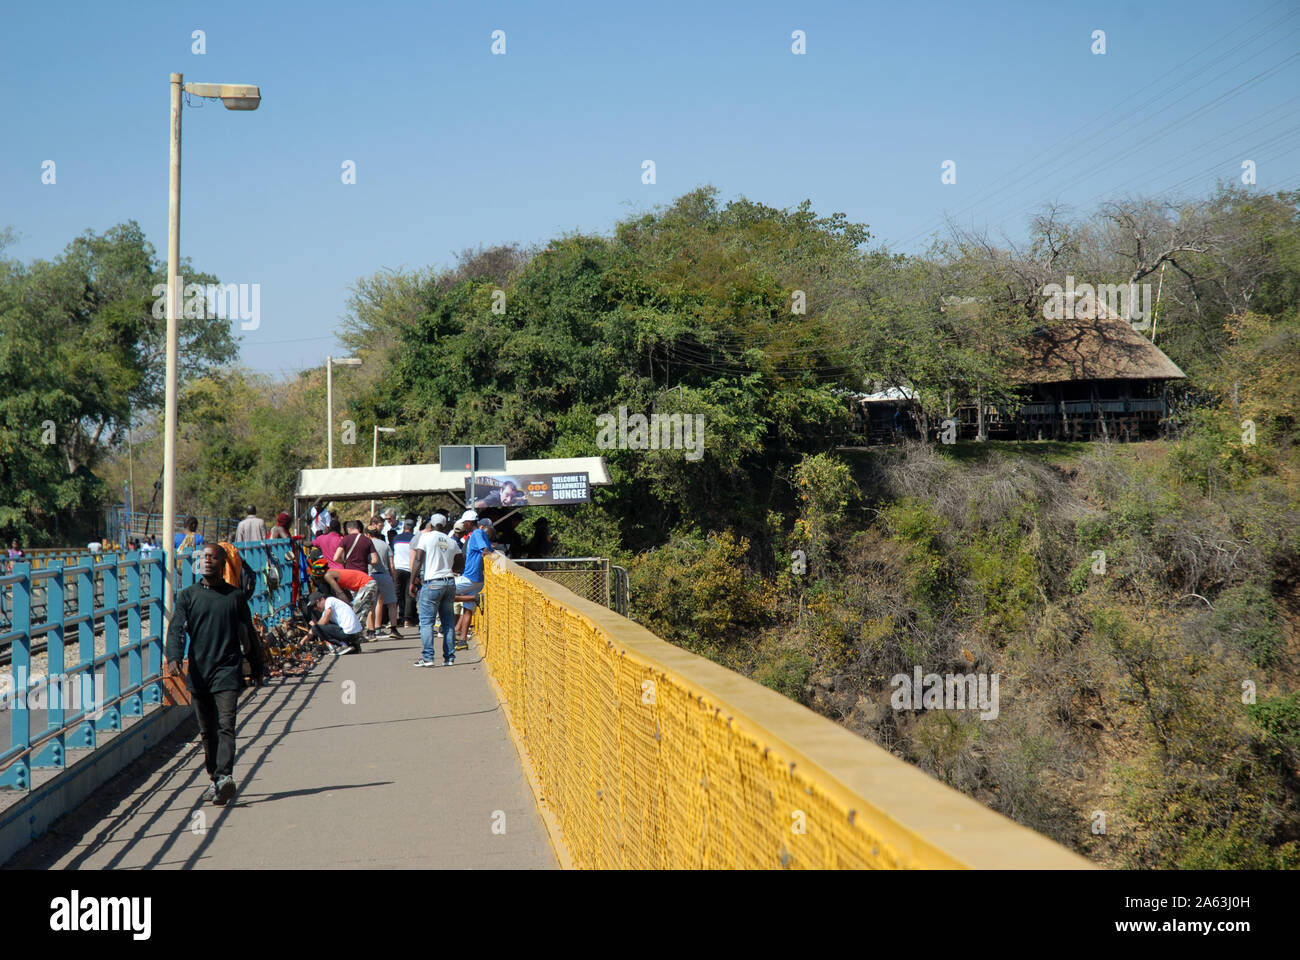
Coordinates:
x,y
217,619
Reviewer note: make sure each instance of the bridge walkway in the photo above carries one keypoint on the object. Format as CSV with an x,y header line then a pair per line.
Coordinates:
x,y
367,762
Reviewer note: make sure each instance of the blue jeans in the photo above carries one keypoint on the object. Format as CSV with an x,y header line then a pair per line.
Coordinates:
x,y
437,599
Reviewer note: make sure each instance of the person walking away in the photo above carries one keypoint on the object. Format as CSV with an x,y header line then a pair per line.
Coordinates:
x,y
281,529
470,583
329,542
216,619
402,543
355,551
251,527
191,538
338,627
431,563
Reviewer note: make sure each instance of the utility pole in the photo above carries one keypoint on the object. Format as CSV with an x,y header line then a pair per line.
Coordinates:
x,y
173,311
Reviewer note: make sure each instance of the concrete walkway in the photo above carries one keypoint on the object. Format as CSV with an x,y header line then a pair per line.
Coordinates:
x,y
415,772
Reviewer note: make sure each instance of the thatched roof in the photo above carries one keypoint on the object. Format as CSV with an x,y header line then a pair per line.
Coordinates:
x,y
1104,348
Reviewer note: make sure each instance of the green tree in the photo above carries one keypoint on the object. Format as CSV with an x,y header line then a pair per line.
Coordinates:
x,y
83,348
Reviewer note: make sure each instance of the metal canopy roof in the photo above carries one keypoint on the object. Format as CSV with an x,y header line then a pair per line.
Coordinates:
x,y
378,483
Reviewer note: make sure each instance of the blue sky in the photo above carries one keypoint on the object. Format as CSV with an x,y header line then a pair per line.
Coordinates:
x,y
456,147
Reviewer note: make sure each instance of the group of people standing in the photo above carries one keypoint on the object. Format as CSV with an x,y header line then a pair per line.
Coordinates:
x,y
414,576
412,570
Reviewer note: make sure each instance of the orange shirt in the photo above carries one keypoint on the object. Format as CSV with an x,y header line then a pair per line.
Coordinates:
x,y
353,580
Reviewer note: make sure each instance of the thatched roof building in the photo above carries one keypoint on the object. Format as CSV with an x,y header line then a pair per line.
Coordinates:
x,y
1090,374
1102,348
1087,375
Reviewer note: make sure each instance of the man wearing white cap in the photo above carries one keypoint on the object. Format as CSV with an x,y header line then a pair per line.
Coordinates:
x,y
431,562
470,583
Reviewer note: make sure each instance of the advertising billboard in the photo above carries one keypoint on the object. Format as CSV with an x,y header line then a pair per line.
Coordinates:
x,y
529,490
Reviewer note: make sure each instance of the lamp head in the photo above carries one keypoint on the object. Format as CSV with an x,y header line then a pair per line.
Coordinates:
x,y
235,96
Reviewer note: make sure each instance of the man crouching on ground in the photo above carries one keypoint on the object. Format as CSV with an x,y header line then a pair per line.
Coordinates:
x,y
217,618
338,627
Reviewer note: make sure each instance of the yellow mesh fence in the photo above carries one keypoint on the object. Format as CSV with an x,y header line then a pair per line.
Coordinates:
x,y
651,757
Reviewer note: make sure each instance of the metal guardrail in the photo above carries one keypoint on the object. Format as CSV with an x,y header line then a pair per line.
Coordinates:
x,y
40,560
90,698
650,757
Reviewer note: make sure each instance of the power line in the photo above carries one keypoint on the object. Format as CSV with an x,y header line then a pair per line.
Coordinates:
x,y
1014,175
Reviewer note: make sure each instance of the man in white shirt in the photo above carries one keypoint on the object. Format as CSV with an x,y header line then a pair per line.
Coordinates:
x,y
320,520
433,557
250,528
338,626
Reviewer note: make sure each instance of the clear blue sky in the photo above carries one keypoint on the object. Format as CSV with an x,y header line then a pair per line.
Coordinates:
x,y
455,147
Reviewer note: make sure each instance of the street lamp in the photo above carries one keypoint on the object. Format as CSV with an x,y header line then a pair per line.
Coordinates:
x,y
374,455
235,96
329,398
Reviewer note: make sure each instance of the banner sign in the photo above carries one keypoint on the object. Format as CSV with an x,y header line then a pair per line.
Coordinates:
x,y
529,490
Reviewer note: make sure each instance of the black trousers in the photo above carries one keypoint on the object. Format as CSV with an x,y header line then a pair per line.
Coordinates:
x,y
405,602
216,716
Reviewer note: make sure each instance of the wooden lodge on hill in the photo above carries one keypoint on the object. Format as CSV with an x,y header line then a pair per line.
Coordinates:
x,y
1078,379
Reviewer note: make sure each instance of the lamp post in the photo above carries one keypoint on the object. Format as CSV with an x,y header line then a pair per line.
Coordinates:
x,y
235,97
374,455
329,399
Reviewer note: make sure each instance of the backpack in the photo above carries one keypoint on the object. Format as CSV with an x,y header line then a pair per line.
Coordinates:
x,y
272,575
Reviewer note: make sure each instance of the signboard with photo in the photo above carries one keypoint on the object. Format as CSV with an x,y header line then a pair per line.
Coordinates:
x,y
529,490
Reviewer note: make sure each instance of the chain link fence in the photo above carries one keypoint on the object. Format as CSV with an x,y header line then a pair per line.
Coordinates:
x,y
592,578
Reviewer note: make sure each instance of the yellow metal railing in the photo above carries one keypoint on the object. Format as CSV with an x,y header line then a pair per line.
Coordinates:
x,y
651,757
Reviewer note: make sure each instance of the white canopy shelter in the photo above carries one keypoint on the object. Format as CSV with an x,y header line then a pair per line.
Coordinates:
x,y
421,479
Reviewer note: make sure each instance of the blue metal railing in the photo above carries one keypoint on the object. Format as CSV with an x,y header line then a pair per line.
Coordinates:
x,y
93,694
42,559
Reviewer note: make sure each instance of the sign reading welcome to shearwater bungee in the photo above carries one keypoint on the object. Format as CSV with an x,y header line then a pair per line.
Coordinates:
x,y
529,490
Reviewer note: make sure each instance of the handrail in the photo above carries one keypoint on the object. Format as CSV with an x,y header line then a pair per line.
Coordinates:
x,y
95,676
